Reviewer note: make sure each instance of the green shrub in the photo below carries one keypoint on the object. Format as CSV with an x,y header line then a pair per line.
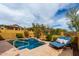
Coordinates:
x,y
72,39
54,37
49,38
26,34
1,38
19,35
37,35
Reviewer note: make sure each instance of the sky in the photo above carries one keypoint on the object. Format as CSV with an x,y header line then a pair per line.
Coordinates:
x,y
49,14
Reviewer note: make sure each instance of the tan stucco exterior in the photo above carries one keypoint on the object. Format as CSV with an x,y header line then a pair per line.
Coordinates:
x,y
10,34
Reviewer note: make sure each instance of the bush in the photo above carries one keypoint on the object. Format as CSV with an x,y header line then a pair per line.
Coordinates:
x,y
37,35
49,38
72,39
19,35
54,37
26,34
1,38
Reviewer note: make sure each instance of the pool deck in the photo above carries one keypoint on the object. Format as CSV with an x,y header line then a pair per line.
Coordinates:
x,y
6,49
46,50
43,50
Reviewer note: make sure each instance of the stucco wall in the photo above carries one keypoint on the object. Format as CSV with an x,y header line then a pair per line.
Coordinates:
x,y
10,34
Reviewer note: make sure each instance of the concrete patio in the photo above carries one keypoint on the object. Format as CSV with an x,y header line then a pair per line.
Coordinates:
x,y
7,49
46,50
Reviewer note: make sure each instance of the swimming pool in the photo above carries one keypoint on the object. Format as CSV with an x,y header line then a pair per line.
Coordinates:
x,y
29,43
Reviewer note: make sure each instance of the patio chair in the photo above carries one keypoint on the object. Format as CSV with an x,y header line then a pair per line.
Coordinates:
x,y
61,42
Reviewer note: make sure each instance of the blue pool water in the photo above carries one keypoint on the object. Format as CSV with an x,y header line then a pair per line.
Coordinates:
x,y
30,43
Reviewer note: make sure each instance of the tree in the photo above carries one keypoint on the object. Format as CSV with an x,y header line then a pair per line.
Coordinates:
x,y
74,19
74,26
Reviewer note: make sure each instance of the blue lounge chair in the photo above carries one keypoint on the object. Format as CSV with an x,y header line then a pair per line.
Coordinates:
x,y
60,45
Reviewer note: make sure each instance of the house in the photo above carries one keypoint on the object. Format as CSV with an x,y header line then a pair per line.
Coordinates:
x,y
11,27
9,32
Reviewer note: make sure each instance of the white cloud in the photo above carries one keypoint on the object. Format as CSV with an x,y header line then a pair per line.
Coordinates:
x,y
45,10
62,23
5,9
25,15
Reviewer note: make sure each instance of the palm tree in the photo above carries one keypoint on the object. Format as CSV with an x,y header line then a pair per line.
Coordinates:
x,y
74,19
74,26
